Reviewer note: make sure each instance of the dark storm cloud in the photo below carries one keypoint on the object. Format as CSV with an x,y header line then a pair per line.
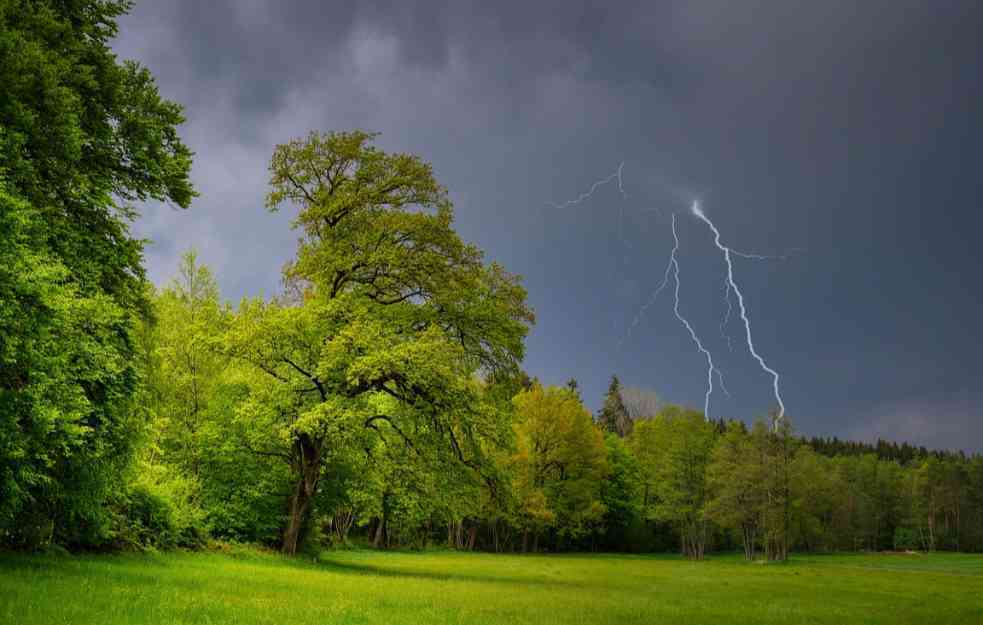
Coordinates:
x,y
953,421
845,128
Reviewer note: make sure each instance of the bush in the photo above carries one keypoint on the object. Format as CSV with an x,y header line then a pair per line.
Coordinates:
x,y
244,516
158,511
145,519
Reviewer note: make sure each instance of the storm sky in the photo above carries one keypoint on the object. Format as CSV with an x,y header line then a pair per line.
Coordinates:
x,y
848,135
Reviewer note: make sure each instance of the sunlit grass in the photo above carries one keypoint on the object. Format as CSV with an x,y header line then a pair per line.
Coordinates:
x,y
450,587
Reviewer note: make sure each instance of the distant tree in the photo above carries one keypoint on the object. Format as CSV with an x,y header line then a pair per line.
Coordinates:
x,y
973,523
619,491
191,319
559,463
574,387
752,480
817,491
938,501
734,477
640,403
613,416
779,447
673,450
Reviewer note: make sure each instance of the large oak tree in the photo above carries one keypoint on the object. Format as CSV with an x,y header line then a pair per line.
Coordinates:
x,y
391,318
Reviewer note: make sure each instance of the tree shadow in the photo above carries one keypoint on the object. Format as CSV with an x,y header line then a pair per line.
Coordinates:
x,y
120,567
370,569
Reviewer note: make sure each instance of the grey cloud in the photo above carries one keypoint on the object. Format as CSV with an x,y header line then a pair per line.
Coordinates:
x,y
954,422
845,128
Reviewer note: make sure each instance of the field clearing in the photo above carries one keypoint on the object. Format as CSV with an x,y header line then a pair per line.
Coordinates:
x,y
448,587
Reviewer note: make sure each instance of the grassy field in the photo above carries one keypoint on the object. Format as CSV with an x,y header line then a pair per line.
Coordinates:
x,y
438,587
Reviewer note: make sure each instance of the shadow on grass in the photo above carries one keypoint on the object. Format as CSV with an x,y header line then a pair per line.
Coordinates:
x,y
131,570
369,569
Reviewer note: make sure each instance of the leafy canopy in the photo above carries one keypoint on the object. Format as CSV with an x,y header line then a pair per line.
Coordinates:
x,y
390,319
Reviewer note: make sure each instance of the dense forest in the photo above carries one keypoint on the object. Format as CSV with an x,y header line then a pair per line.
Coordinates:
x,y
379,398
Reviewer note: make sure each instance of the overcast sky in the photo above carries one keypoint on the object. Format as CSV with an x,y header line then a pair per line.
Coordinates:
x,y
846,134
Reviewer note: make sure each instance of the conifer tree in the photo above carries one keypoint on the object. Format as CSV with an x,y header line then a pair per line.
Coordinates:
x,y
613,416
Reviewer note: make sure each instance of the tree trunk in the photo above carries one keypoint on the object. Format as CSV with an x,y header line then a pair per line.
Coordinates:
x,y
342,523
307,464
748,541
299,508
958,527
380,532
459,534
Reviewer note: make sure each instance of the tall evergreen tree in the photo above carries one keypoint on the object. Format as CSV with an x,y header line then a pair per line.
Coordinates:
x,y
574,387
613,416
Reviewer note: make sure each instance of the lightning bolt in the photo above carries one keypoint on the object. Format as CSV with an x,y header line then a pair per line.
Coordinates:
x,y
697,210
720,379
594,187
651,300
711,369
730,309
617,175
727,289
672,270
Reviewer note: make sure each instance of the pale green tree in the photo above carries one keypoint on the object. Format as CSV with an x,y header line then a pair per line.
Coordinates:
x,y
393,315
777,446
674,449
188,362
734,477
559,463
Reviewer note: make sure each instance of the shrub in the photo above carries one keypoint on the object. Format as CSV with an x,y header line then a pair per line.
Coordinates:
x,y
158,511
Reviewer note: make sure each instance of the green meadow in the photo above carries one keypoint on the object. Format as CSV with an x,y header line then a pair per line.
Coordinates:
x,y
249,587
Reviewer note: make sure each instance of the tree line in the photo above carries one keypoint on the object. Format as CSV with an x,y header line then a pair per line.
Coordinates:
x,y
379,398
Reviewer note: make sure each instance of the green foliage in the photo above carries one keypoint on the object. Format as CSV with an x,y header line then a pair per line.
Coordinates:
x,y
79,134
186,366
392,317
673,450
78,125
906,539
620,492
144,520
67,419
559,463
734,477
236,495
535,473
